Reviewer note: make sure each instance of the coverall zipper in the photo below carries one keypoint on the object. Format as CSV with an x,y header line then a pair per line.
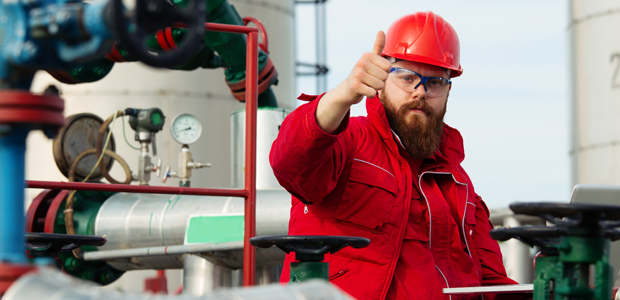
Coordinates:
x,y
430,224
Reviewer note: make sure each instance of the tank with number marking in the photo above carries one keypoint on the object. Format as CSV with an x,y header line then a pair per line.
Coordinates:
x,y
595,89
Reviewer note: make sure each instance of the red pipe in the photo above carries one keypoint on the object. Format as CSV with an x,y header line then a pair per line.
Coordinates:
x,y
251,106
125,188
230,28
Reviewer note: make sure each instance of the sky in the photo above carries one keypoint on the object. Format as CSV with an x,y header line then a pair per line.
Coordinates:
x,y
512,102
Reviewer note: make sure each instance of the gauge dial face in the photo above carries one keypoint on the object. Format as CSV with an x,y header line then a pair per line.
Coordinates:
x,y
186,129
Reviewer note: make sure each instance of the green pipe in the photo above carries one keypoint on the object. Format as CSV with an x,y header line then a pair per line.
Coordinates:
x,y
86,206
220,49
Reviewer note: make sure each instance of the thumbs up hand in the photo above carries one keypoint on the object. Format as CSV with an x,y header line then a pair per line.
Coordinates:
x,y
368,75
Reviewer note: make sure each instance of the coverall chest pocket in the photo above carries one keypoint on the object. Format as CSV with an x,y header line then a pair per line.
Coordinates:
x,y
470,214
368,197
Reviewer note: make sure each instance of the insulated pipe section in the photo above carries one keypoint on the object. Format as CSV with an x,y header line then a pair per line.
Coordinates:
x,y
145,220
52,284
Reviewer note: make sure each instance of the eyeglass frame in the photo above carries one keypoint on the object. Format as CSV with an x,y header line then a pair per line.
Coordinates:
x,y
423,78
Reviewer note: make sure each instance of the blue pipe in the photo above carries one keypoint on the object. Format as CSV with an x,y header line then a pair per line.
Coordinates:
x,y
12,184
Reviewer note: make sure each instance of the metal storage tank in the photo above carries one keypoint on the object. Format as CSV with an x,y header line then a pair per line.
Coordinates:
x,y
202,93
595,83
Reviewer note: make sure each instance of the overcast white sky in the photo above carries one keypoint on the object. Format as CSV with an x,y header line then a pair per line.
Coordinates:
x,y
512,102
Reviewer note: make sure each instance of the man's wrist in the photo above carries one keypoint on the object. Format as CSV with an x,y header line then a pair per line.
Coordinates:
x,y
331,111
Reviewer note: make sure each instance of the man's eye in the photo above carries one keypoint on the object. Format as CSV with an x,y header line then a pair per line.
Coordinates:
x,y
407,78
435,83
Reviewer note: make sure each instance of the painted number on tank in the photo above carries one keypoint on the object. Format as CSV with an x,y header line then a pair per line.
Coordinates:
x,y
615,81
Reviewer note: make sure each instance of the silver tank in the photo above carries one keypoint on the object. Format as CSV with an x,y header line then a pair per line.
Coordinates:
x,y
268,126
595,78
595,95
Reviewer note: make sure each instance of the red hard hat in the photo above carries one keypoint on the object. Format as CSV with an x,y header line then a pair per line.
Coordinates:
x,y
427,38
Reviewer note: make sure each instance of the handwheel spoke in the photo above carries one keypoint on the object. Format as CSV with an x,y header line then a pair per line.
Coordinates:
x,y
150,16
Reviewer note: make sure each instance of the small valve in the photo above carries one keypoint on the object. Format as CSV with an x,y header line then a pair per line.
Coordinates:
x,y
167,174
186,164
198,165
157,168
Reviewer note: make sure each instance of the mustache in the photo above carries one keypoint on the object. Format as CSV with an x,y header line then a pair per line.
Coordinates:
x,y
417,104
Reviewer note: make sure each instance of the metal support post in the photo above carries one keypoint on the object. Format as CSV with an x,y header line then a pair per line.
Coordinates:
x,y
321,53
251,104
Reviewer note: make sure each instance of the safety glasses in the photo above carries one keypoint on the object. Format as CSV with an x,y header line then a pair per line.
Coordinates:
x,y
409,81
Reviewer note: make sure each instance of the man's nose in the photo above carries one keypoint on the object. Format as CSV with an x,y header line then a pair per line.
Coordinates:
x,y
419,92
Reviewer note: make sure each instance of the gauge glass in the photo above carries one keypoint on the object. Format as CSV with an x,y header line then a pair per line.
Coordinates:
x,y
186,129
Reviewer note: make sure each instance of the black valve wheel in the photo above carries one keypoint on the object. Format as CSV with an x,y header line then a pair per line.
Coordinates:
x,y
590,220
572,214
309,247
49,244
147,18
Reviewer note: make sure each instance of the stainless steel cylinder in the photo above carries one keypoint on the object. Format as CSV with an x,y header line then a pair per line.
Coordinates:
x,y
268,125
201,276
145,220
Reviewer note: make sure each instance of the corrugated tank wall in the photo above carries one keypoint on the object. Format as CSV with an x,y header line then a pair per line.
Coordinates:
x,y
595,84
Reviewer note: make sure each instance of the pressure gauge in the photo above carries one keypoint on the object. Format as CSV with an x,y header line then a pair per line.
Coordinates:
x,y
185,129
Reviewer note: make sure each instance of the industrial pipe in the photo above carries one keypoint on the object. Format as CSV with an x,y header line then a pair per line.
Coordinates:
x,y
86,186
249,193
12,152
164,250
144,221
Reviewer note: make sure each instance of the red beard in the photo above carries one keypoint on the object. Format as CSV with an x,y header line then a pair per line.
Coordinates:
x,y
420,135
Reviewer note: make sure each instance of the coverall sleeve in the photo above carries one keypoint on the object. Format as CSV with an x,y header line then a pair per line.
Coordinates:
x,y
489,253
306,160
493,272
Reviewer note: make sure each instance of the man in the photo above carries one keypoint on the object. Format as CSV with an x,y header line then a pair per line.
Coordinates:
x,y
394,176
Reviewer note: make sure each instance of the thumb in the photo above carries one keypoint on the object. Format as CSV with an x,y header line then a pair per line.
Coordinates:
x,y
379,43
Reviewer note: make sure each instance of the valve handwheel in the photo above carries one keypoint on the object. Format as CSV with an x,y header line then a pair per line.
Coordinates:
x,y
52,243
309,247
572,214
148,17
573,219
309,251
577,244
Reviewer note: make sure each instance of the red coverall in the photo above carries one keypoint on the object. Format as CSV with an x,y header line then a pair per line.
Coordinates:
x,y
359,181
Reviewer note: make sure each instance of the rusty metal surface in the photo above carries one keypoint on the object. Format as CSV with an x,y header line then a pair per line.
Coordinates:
x,y
80,134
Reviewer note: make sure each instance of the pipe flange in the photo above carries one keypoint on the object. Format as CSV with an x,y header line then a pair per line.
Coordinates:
x,y
18,107
52,211
266,77
37,211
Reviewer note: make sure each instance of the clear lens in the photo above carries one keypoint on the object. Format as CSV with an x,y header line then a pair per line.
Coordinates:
x,y
409,81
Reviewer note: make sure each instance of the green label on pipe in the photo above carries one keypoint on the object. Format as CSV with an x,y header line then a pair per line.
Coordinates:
x,y
214,229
